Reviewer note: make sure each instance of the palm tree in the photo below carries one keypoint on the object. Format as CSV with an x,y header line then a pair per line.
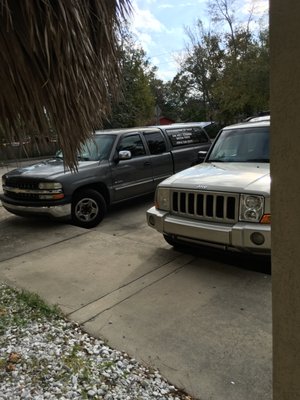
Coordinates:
x,y
59,67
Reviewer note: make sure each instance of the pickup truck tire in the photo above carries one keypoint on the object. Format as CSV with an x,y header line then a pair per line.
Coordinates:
x,y
88,208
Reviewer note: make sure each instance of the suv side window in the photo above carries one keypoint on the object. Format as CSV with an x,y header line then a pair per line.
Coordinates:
x,y
185,136
156,142
134,144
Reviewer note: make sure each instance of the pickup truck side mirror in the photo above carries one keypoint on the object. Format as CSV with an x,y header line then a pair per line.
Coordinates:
x,y
201,155
124,155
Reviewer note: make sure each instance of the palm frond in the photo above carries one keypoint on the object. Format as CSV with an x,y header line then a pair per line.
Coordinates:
x,y
59,67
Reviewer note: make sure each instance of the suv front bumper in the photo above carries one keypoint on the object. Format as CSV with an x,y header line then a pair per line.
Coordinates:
x,y
239,236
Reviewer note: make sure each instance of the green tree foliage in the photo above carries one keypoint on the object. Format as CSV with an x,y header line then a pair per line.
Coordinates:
x,y
201,69
243,89
174,102
226,72
162,93
136,106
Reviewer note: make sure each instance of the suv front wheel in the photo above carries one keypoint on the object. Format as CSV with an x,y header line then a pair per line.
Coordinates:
x,y
88,208
171,241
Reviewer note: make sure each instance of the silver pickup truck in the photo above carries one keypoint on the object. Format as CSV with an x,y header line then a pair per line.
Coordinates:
x,y
225,201
113,166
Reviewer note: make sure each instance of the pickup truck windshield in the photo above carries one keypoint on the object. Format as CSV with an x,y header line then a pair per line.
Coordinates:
x,y
242,145
96,149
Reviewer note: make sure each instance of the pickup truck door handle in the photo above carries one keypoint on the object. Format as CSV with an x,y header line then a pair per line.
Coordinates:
x,y
147,163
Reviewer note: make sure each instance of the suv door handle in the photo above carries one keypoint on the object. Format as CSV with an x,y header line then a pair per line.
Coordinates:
x,y
147,163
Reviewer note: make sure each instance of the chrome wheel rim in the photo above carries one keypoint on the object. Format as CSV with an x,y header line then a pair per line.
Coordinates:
x,y
86,210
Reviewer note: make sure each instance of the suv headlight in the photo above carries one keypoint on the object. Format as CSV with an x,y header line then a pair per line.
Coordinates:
x,y
162,199
251,208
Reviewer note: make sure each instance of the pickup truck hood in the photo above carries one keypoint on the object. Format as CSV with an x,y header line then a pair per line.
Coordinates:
x,y
229,177
50,169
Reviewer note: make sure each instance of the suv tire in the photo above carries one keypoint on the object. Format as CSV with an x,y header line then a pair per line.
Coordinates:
x,y
171,241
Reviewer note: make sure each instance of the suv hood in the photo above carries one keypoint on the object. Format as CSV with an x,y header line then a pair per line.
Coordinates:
x,y
50,169
229,177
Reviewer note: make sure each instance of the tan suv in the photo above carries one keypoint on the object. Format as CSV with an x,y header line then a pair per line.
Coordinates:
x,y
225,201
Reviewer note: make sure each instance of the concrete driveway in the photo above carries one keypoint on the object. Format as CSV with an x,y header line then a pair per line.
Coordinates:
x,y
202,317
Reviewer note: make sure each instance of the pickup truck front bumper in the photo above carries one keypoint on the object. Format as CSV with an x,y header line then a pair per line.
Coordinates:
x,y
240,236
59,211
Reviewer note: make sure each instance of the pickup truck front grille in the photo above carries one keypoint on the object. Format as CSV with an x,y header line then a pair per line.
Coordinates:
x,y
21,189
22,196
207,206
22,184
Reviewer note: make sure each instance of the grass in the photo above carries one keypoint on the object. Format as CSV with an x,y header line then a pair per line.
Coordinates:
x,y
37,304
17,305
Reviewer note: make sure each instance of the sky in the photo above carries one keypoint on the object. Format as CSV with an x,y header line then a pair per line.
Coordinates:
x,y
160,25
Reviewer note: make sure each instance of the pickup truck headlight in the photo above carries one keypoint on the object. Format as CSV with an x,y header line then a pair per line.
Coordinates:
x,y
50,185
251,208
52,191
162,199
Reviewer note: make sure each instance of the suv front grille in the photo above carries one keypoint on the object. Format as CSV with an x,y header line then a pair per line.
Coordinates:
x,y
208,206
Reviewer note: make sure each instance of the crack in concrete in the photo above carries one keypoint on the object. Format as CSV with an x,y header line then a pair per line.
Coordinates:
x,y
44,247
130,286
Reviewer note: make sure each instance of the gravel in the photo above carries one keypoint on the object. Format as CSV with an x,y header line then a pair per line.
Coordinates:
x,y
44,356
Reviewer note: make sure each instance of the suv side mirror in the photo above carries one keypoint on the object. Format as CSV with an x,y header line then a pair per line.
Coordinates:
x,y
201,155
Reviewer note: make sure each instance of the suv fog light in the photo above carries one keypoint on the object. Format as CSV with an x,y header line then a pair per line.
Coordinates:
x,y
151,220
257,238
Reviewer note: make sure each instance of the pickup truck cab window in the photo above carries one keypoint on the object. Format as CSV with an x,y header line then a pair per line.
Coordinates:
x,y
134,144
212,130
156,142
186,136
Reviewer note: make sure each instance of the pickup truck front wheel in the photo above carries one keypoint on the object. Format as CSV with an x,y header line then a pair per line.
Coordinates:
x,y
88,208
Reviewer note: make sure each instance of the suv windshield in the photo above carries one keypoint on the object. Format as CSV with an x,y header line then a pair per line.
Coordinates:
x,y
249,144
96,149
